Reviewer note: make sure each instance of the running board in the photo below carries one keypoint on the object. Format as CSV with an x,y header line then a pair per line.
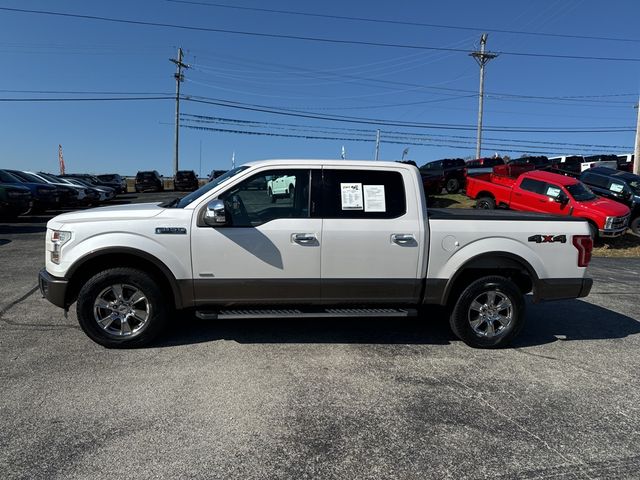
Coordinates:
x,y
300,313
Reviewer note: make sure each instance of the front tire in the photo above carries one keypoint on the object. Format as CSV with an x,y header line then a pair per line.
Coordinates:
x,y
489,313
635,225
122,308
272,198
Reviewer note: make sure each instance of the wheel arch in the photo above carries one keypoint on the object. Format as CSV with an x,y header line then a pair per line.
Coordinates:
x,y
99,260
503,264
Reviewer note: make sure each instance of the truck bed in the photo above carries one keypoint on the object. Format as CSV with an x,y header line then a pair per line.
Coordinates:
x,y
498,214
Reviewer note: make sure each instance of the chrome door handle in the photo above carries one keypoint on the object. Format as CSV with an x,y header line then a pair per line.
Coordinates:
x,y
304,238
403,238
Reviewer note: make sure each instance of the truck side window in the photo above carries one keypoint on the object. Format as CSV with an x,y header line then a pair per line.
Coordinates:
x,y
268,196
384,191
535,186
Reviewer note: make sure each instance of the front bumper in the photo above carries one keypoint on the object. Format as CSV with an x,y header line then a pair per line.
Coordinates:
x,y
562,288
612,233
53,288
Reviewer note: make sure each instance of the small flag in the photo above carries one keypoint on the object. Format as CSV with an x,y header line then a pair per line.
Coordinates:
x,y
60,159
233,160
405,152
343,155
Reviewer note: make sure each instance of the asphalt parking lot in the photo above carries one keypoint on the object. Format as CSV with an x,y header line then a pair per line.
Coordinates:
x,y
339,399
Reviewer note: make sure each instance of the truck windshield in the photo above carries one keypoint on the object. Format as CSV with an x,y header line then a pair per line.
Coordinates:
x,y
580,192
209,186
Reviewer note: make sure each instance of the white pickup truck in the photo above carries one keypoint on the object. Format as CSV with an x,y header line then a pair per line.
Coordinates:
x,y
355,238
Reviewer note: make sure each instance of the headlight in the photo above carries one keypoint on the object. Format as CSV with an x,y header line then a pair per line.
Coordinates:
x,y
608,223
16,194
58,239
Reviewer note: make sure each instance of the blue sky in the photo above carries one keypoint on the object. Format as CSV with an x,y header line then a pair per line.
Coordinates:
x,y
439,88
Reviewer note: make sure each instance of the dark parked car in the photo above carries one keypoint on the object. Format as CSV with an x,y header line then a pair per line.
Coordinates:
x,y
450,172
185,180
482,165
625,162
115,181
70,195
44,196
149,181
14,198
90,180
215,174
620,186
517,166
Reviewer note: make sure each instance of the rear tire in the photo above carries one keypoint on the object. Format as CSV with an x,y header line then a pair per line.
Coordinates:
x,y
489,313
122,308
486,203
452,185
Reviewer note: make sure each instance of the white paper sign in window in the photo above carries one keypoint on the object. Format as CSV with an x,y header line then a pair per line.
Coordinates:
x,y
351,194
616,187
374,198
553,192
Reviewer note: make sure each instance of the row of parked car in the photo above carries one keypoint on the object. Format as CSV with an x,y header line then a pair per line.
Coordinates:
x,y
36,192
607,198
451,173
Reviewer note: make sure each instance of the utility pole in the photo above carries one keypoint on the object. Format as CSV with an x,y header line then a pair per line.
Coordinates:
x,y
482,58
179,79
377,144
636,151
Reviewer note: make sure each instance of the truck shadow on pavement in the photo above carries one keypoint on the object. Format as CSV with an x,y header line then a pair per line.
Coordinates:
x,y
572,320
567,320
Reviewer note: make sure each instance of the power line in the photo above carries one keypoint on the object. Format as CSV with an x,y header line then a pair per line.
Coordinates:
x,y
95,99
83,92
406,23
362,131
354,139
388,122
304,38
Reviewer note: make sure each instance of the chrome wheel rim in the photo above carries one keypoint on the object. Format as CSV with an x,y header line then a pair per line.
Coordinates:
x,y
121,310
490,314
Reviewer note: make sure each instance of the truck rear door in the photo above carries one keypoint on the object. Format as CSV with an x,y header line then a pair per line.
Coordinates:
x,y
373,240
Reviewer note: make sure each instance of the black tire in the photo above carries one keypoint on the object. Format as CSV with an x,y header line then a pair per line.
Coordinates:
x,y
499,326
452,185
292,191
486,203
158,311
593,231
271,196
635,225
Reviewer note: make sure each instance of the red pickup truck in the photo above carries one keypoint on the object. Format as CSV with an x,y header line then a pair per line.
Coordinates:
x,y
552,193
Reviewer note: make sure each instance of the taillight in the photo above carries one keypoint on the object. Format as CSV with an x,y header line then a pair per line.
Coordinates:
x,y
584,244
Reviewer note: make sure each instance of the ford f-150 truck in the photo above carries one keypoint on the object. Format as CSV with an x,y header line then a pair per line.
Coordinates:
x,y
355,238
552,193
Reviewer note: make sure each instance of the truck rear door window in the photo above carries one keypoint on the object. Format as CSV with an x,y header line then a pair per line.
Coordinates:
x,y
363,194
535,186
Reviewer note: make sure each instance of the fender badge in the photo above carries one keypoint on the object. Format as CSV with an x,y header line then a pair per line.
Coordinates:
x,y
171,230
548,238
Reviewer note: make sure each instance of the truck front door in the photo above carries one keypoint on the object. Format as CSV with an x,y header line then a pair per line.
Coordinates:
x,y
267,252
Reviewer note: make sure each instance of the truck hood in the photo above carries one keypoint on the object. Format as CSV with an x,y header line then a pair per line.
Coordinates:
x,y
607,207
136,211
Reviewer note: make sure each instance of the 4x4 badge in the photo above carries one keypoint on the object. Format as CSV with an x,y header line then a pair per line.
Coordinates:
x,y
548,238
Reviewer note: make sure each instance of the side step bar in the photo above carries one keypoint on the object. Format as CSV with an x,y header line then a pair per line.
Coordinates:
x,y
303,313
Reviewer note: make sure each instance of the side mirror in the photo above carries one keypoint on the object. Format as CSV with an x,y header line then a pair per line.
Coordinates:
x,y
561,199
214,215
